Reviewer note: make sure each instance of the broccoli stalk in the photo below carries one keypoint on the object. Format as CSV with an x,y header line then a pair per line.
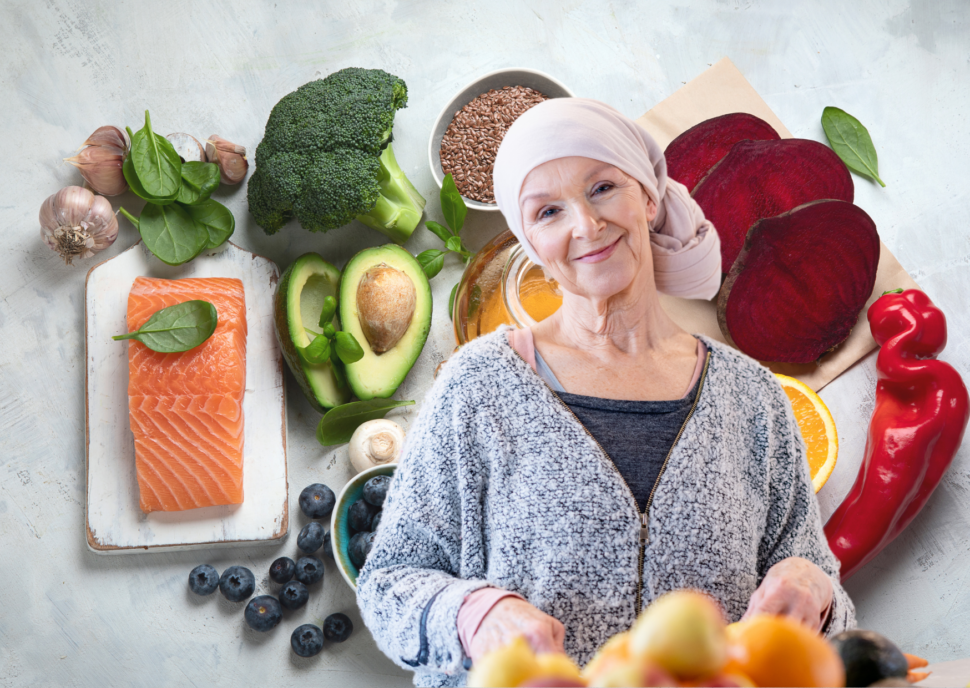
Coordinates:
x,y
399,208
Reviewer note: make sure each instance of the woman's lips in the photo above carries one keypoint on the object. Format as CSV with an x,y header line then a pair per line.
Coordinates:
x,y
600,255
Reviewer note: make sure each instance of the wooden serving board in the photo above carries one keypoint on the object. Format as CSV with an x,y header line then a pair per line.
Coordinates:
x,y
115,523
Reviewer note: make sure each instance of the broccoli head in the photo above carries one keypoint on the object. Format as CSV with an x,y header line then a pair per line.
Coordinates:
x,y
326,158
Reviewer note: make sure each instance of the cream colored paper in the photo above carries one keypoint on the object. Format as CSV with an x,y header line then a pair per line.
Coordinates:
x,y
718,91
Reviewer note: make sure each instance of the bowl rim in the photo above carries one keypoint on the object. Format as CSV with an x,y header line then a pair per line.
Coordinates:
x,y
449,107
353,484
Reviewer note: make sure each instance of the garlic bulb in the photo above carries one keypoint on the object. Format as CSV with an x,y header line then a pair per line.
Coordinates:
x,y
77,224
375,443
100,163
188,147
230,158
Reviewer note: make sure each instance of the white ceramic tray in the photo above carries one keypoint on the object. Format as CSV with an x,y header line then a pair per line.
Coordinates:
x,y
115,523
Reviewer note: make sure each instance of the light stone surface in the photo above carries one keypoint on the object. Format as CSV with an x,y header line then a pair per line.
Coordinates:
x,y
71,617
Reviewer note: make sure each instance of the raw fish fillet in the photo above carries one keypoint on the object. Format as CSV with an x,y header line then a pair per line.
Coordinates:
x,y
186,408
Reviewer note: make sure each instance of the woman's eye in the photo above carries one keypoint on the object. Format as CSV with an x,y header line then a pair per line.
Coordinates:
x,y
602,188
546,213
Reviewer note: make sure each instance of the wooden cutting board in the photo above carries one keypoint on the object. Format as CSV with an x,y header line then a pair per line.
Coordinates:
x,y
115,524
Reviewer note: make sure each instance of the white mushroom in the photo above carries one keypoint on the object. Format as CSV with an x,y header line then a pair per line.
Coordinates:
x,y
375,443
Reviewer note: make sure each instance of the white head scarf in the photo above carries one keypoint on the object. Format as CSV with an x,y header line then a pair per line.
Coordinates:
x,y
685,246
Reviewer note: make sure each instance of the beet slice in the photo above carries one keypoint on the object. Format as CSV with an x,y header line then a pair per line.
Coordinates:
x,y
691,155
798,284
760,179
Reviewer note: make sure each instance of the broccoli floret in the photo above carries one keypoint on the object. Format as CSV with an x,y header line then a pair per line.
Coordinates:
x,y
326,158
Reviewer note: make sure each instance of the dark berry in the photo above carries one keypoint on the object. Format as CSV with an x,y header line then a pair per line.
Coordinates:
x,y
294,595
327,546
263,613
337,627
376,521
237,583
203,579
307,640
317,500
309,570
360,515
359,547
375,490
282,570
310,538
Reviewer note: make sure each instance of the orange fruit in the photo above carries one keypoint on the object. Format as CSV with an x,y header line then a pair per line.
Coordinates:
x,y
775,651
817,426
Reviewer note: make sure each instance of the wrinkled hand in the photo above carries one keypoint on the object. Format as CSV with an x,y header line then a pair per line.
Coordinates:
x,y
796,588
512,617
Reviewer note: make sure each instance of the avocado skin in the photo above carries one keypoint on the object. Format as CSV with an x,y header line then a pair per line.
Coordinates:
x,y
869,657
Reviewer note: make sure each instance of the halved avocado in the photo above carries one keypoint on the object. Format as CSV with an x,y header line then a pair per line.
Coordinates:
x,y
378,375
297,306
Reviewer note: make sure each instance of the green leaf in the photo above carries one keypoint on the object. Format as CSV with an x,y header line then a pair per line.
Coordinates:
x,y
177,328
329,331
317,351
431,261
451,301
215,218
454,244
329,308
338,424
348,349
452,205
128,169
171,234
157,165
199,180
851,142
440,231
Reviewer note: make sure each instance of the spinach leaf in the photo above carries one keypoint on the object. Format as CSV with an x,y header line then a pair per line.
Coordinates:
x,y
851,142
439,231
156,163
199,180
318,351
128,169
170,233
214,217
177,328
347,346
432,261
338,424
452,204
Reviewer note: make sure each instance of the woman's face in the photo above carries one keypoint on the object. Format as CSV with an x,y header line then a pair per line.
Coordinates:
x,y
588,222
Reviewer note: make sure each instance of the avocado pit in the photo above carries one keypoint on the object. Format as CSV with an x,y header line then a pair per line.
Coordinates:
x,y
385,306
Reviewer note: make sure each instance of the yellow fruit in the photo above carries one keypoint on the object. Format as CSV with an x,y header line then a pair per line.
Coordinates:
x,y
613,652
683,632
817,426
775,651
511,665
556,664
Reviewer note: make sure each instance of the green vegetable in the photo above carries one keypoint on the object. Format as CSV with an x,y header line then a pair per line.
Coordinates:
x,y
851,142
338,424
328,310
177,328
348,348
452,204
170,232
215,218
128,169
199,180
326,158
157,165
432,261
318,351
454,209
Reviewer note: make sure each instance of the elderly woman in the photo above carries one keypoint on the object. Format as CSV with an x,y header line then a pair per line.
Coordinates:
x,y
558,479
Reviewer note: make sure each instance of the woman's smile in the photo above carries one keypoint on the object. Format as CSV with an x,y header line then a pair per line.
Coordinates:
x,y
600,254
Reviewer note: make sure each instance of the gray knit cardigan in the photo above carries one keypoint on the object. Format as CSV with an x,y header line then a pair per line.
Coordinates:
x,y
499,484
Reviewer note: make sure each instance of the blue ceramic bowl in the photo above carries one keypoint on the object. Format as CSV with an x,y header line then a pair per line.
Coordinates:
x,y
339,528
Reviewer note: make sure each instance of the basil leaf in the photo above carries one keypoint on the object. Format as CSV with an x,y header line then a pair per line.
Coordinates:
x,y
440,231
327,313
451,301
329,331
199,180
177,328
338,424
851,142
431,261
348,349
452,205
215,218
156,163
318,351
128,169
171,234
454,244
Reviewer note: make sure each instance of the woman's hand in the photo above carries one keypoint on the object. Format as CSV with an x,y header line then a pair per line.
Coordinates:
x,y
796,588
511,617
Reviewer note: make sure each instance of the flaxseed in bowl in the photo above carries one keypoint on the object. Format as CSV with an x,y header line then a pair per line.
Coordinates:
x,y
467,133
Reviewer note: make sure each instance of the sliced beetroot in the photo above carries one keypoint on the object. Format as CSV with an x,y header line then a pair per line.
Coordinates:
x,y
691,155
796,288
760,179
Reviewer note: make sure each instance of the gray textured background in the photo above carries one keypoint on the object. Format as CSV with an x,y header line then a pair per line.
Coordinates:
x,y
68,616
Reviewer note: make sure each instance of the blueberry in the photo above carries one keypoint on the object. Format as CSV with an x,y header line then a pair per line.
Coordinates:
x,y
375,489
203,579
263,613
307,640
337,627
282,570
376,521
237,583
309,570
310,538
359,547
317,500
327,547
294,595
360,515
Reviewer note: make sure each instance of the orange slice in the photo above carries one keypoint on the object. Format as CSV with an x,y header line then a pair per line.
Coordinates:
x,y
817,426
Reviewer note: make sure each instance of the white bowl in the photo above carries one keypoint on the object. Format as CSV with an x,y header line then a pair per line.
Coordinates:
x,y
501,78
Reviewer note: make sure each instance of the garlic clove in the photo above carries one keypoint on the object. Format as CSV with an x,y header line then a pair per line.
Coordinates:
x,y
77,224
101,168
188,147
230,157
109,137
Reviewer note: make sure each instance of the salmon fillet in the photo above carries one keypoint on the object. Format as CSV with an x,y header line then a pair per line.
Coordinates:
x,y
186,408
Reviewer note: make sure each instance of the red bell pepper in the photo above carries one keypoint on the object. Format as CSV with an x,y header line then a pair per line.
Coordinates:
x,y
918,423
